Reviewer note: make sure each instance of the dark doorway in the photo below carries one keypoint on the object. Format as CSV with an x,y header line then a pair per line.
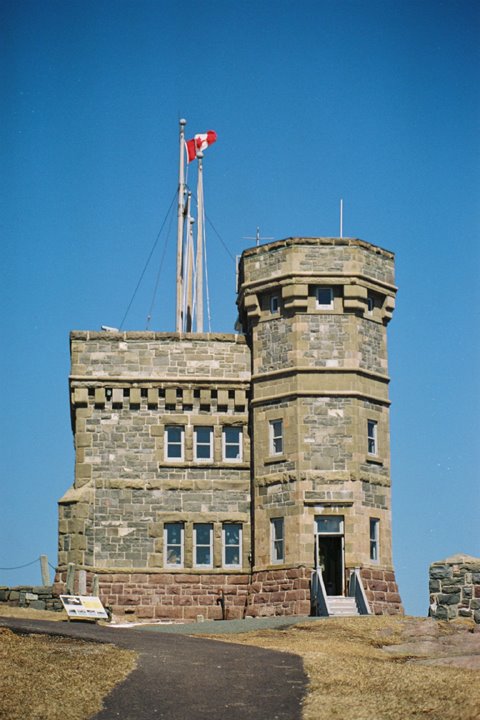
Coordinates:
x,y
330,560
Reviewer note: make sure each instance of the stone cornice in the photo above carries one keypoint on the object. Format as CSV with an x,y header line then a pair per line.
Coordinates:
x,y
298,369
294,395
337,278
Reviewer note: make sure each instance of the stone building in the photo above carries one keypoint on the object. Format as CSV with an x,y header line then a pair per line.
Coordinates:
x,y
227,467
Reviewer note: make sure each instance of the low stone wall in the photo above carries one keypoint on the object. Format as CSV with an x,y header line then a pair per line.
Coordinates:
x,y
181,597
382,592
37,597
455,588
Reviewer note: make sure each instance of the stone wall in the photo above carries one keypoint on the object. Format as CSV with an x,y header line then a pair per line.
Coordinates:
x,y
382,591
36,597
182,596
455,588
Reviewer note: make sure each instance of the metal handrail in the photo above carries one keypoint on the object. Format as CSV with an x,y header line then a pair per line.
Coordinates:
x,y
318,594
356,590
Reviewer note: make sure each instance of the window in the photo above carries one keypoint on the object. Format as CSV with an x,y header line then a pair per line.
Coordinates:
x,y
274,304
370,304
277,539
329,524
203,544
276,437
203,443
173,544
232,444
372,437
174,442
232,545
324,297
374,539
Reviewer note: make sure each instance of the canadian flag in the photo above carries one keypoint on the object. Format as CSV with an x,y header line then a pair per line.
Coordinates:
x,y
199,143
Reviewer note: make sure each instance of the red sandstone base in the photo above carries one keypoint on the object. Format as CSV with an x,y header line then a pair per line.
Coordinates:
x,y
181,597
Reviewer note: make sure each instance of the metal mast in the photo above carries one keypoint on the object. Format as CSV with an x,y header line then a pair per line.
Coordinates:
x,y
180,214
199,260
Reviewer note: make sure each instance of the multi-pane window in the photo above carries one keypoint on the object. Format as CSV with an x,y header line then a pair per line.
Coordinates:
x,y
232,545
374,539
203,443
173,544
277,540
174,442
324,297
276,437
203,544
232,444
372,437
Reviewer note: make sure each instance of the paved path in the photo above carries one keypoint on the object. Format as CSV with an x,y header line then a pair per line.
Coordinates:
x,y
187,678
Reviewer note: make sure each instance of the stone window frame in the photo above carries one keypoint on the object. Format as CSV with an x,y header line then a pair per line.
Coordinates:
x,y
166,544
238,459
197,545
374,534
225,525
372,438
277,540
276,439
167,457
197,444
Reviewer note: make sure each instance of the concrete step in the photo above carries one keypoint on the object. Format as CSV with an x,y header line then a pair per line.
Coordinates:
x,y
342,606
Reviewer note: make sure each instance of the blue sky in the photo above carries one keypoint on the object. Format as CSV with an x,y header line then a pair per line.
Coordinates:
x,y
374,102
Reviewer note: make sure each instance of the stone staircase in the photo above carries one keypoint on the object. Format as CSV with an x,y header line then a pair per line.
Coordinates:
x,y
339,606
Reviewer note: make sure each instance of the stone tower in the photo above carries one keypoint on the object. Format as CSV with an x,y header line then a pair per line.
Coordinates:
x,y
315,311
217,471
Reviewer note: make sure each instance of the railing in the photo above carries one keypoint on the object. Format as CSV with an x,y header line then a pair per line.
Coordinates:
x,y
318,594
356,590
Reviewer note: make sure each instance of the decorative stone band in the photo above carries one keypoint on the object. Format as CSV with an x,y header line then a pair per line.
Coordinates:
x,y
290,396
96,391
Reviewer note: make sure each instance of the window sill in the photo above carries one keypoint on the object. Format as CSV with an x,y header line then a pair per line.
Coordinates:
x,y
275,459
374,460
205,464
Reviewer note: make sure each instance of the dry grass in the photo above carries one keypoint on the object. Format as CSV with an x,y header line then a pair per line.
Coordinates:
x,y
352,678
56,678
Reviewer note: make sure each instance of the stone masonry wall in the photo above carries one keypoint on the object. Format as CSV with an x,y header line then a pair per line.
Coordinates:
x,y
382,591
36,597
455,588
183,596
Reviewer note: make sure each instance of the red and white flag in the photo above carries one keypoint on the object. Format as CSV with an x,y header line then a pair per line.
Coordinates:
x,y
199,143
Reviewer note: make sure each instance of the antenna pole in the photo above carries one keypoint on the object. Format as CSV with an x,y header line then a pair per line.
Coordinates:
x,y
199,269
341,217
180,211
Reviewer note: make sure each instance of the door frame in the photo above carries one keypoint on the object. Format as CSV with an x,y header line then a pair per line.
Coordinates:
x,y
339,520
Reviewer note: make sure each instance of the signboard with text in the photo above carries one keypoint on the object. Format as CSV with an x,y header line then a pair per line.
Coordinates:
x,y
85,607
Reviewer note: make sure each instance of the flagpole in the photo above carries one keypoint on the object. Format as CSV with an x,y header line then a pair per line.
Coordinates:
x,y
180,210
199,269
